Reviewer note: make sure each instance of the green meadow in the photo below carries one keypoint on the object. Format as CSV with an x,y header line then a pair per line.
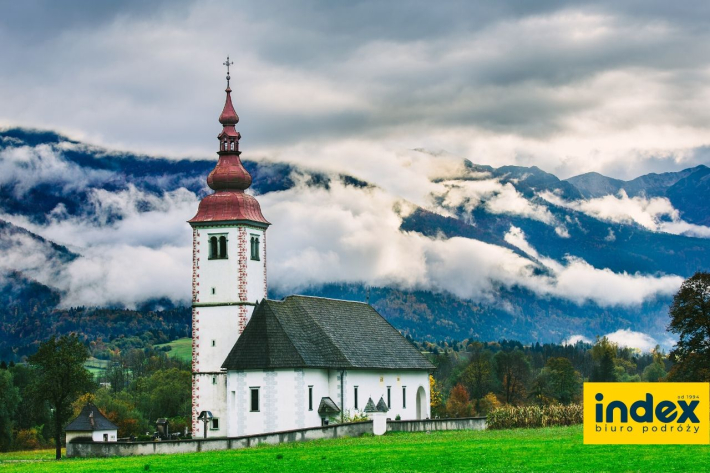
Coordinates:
x,y
545,450
180,348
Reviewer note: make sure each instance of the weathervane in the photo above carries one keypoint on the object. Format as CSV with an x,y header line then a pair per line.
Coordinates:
x,y
227,63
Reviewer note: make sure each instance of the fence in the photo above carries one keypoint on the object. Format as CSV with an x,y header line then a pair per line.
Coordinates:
x,y
83,448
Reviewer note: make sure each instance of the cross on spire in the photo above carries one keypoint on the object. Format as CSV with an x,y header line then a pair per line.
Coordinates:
x,y
228,63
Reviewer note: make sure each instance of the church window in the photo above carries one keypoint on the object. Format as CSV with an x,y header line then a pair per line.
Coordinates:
x,y
214,378
218,247
254,400
214,343
223,247
214,291
215,424
310,398
355,397
404,397
389,397
231,146
213,247
255,247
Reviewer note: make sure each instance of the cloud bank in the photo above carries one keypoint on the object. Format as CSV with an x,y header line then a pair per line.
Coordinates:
x,y
614,87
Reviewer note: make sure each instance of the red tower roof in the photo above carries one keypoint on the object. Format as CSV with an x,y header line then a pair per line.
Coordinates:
x,y
229,115
229,178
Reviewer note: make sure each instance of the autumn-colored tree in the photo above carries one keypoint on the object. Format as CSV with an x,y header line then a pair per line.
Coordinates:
x,y
487,404
435,397
458,404
690,319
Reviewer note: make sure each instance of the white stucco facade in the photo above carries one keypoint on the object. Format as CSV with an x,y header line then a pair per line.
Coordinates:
x,y
225,287
96,435
283,396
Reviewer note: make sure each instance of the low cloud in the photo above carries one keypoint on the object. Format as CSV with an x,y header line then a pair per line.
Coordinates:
x,y
574,339
493,196
629,338
624,338
25,167
656,213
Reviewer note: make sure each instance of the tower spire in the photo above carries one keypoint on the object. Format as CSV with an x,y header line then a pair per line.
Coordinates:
x,y
229,179
228,63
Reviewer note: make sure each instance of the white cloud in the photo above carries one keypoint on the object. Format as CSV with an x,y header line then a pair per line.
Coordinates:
x,y
574,339
656,213
494,196
625,338
631,339
25,167
579,281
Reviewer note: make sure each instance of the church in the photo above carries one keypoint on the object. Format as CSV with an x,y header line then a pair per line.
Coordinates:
x,y
261,365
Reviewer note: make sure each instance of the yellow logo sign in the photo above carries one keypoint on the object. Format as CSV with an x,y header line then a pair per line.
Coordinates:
x,y
651,413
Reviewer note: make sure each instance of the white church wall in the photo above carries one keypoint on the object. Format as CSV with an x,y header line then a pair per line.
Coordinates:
x,y
283,396
372,383
283,400
212,389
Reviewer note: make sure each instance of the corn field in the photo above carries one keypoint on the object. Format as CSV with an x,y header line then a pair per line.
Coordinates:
x,y
510,417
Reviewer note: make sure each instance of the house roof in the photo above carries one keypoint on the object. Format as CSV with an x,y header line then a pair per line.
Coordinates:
x,y
313,332
90,418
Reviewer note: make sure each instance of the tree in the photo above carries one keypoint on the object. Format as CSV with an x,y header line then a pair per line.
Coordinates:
x,y
435,396
690,319
9,399
564,380
458,404
656,370
59,378
604,355
477,375
513,371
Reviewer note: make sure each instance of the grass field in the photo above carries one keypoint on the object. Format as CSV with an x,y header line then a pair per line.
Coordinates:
x,y
96,366
181,348
546,450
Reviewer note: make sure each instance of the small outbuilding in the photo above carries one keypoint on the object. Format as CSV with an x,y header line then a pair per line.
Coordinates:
x,y
91,424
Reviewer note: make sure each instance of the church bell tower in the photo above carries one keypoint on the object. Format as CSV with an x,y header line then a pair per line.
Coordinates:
x,y
228,273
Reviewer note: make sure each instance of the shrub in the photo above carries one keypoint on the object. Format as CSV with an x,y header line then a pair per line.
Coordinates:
x,y
30,439
534,416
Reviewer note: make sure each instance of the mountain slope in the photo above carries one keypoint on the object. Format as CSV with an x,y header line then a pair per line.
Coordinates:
x,y
119,210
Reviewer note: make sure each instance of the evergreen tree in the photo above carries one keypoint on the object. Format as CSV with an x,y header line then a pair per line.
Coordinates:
x,y
690,319
604,355
9,399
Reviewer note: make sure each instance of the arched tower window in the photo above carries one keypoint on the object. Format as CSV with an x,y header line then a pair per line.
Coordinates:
x,y
223,247
213,248
231,146
255,247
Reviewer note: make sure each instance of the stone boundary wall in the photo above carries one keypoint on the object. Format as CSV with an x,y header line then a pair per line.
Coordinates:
x,y
465,423
355,429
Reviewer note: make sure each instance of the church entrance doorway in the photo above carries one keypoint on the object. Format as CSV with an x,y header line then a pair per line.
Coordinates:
x,y
421,403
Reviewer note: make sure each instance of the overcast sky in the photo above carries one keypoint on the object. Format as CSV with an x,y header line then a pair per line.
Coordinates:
x,y
622,88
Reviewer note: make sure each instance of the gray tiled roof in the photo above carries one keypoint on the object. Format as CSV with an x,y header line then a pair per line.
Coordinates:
x,y
313,332
90,419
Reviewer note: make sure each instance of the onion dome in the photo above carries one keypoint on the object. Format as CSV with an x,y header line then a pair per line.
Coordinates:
x,y
229,174
229,179
229,115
